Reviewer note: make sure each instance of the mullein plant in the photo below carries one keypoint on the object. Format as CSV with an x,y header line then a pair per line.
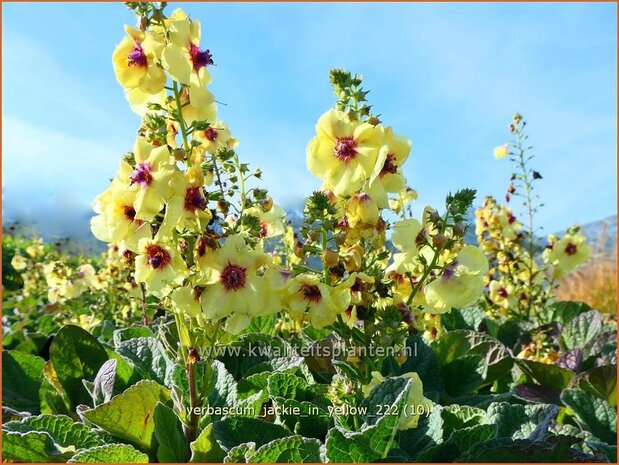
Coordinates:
x,y
523,271
347,276
181,208
183,211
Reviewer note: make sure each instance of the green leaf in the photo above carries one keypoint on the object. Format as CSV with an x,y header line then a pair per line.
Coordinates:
x,y
75,356
45,438
600,382
582,330
609,451
563,312
34,446
124,334
424,363
521,421
22,375
465,318
256,353
506,450
461,416
304,418
240,453
293,449
232,431
205,449
594,414
110,453
263,325
376,438
130,415
288,386
149,357
62,429
224,390
471,436
173,446
386,397
429,432
470,360
551,376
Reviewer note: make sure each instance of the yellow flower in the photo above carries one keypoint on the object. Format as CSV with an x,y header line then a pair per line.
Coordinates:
x,y
231,279
159,267
324,303
198,104
36,249
361,210
135,61
567,253
116,220
182,57
187,210
343,153
416,403
503,295
271,222
186,300
361,284
154,177
19,263
387,176
461,283
501,152
404,238
404,198
215,137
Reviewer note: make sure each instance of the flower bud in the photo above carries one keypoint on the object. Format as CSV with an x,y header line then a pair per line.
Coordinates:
x,y
298,249
143,23
312,235
459,229
353,260
339,238
179,154
222,206
267,204
330,258
439,241
373,120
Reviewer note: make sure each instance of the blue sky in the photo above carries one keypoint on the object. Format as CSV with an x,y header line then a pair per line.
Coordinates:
x,y
448,76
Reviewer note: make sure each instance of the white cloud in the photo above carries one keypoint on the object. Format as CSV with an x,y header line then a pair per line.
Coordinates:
x,y
49,177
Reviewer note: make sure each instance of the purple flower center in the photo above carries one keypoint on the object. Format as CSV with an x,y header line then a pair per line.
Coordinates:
x,y
571,249
200,58
233,277
311,293
345,149
137,57
211,134
142,175
502,292
157,256
194,200
390,166
450,270
359,285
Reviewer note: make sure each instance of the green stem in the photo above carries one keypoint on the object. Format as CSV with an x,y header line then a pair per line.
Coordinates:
x,y
179,117
428,270
194,401
528,188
